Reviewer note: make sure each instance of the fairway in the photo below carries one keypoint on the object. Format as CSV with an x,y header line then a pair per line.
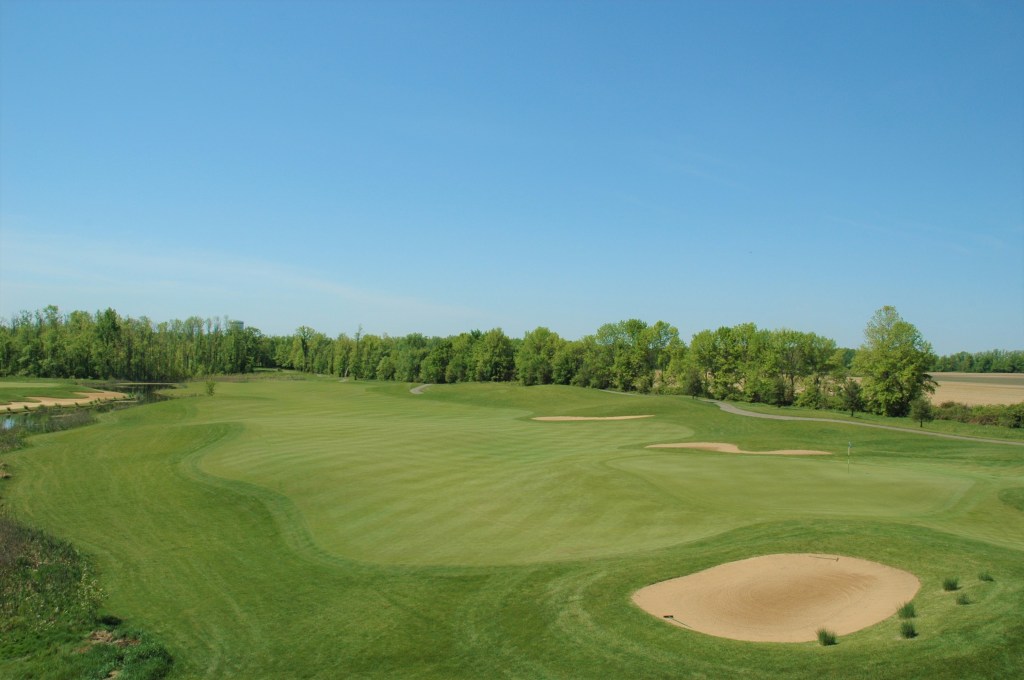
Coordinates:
x,y
324,529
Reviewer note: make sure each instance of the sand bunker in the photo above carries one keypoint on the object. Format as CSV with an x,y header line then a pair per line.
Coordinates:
x,y
732,448
86,398
566,418
781,598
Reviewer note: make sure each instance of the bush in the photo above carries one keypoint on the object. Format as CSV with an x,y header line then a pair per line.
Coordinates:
x,y
50,596
907,611
907,630
1011,415
985,576
826,637
963,598
951,583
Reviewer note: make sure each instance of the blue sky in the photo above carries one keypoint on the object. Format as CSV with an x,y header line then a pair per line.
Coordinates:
x,y
443,166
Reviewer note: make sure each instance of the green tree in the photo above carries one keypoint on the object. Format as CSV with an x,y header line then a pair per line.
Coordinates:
x,y
567,362
410,353
461,360
921,410
435,363
535,358
494,357
852,396
893,361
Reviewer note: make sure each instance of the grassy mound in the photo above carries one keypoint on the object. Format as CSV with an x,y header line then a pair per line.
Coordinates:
x,y
49,626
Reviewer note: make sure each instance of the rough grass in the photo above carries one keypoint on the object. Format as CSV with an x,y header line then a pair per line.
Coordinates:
x,y
826,637
49,621
22,389
322,529
907,611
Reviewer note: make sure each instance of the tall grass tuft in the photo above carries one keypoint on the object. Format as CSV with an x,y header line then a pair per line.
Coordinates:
x,y
963,598
907,611
826,637
985,576
907,630
951,583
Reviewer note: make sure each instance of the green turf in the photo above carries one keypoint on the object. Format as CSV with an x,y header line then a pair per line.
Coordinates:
x,y
321,529
24,389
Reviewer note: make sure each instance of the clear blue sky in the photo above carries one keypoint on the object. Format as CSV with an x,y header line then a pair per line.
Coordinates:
x,y
443,166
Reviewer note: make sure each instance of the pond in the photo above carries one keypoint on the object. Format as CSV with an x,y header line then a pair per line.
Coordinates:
x,y
55,418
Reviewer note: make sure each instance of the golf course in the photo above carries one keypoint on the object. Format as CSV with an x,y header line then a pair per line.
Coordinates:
x,y
320,528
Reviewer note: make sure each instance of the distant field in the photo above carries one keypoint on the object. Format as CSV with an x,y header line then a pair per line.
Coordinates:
x,y
976,389
319,529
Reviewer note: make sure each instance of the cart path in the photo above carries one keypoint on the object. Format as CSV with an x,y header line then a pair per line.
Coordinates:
x,y
735,410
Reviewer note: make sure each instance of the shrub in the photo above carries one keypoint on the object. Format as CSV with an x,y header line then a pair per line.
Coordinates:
x,y
985,576
963,598
907,630
826,637
907,611
951,583
1010,415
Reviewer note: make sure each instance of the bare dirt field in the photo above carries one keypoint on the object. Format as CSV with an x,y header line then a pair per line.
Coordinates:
x,y
976,389
781,598
732,448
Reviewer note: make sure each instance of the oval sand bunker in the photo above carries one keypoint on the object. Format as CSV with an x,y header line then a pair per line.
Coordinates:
x,y
781,598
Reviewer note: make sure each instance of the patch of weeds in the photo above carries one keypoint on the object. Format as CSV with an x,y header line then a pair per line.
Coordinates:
x,y
985,576
963,598
826,637
951,583
11,439
49,596
907,611
907,630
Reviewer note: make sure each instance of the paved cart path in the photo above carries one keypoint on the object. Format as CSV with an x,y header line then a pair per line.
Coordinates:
x,y
732,408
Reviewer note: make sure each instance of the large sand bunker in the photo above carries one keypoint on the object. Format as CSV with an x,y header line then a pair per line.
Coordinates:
x,y
732,448
781,598
568,418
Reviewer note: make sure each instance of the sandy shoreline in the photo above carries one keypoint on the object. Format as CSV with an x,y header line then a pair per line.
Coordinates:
x,y
553,419
86,398
722,447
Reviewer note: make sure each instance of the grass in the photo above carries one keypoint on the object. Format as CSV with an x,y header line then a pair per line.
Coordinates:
x,y
907,611
322,529
985,576
963,598
951,583
49,615
940,426
23,389
826,637
908,630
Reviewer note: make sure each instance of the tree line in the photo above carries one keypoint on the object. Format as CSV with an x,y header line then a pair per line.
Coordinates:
x,y
106,345
741,362
990,361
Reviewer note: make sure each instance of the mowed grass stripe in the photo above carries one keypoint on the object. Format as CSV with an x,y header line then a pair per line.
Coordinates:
x,y
411,484
386,477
